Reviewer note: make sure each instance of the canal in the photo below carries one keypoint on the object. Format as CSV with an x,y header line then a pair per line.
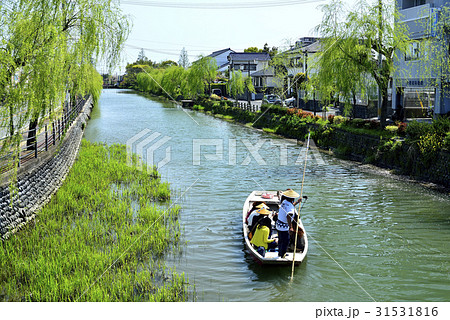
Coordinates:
x,y
371,238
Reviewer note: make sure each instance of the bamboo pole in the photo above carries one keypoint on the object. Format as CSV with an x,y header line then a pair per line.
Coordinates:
x,y
299,208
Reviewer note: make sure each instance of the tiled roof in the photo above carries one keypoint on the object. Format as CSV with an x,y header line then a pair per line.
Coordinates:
x,y
312,48
216,53
249,56
268,72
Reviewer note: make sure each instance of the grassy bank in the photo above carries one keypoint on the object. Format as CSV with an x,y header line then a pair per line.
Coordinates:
x,y
101,238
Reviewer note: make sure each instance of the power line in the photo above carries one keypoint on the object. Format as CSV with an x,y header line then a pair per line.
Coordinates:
x,y
156,50
173,50
215,6
170,43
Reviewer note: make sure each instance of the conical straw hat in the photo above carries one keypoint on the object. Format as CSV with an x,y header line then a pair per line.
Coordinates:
x,y
289,193
262,205
263,211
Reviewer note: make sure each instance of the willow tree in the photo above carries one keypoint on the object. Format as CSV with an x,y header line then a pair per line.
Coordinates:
x,y
172,80
236,84
47,51
203,71
366,42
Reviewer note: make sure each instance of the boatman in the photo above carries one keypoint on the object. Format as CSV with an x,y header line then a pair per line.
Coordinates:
x,y
284,223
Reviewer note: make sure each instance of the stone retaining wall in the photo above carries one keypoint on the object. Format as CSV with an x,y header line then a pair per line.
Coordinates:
x,y
406,161
37,184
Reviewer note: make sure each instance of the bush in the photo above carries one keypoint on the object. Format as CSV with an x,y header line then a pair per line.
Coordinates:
x,y
226,103
392,129
417,129
274,109
429,145
197,107
401,131
446,143
441,125
358,123
331,118
340,119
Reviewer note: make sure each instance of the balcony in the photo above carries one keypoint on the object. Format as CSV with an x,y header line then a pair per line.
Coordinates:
x,y
419,20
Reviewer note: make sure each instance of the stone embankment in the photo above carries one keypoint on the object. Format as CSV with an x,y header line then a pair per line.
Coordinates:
x,y
406,162
37,182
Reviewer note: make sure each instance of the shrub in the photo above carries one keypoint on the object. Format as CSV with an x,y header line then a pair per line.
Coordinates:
x,y
339,120
401,131
429,145
392,129
374,124
331,118
306,114
417,129
358,123
291,111
441,125
446,143
226,103
390,145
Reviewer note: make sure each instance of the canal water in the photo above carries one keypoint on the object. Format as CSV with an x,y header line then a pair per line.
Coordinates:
x,y
371,238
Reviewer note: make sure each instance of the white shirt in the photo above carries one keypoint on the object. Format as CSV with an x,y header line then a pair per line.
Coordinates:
x,y
252,215
286,208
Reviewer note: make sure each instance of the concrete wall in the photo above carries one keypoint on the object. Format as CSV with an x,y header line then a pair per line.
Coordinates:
x,y
37,182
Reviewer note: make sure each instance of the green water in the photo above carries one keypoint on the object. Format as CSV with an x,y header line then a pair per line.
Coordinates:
x,y
370,237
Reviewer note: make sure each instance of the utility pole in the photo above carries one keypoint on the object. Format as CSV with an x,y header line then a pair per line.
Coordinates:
x,y
249,79
305,69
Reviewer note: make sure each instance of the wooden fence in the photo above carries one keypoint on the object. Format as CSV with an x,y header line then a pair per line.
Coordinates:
x,y
248,107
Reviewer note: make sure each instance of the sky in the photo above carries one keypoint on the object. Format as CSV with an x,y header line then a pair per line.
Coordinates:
x,y
162,28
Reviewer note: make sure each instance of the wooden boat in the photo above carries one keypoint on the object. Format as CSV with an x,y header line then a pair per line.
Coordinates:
x,y
271,199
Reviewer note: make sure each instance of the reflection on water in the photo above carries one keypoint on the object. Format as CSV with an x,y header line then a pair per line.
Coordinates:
x,y
390,236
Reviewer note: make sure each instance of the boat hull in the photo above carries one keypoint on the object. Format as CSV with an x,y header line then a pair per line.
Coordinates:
x,y
270,257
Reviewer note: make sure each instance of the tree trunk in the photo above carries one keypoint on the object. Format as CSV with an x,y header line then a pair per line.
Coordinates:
x,y
354,104
384,105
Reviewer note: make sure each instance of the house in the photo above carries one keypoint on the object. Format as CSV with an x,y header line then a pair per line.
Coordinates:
x,y
419,87
221,57
303,59
264,81
299,56
295,61
112,81
250,63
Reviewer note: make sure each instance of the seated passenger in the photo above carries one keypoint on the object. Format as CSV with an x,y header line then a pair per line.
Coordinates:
x,y
256,215
255,206
261,238
300,240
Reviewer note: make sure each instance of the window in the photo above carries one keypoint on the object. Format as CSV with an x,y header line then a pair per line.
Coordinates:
x,y
412,3
252,67
413,52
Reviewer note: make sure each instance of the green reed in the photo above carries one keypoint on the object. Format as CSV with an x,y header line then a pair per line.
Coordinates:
x,y
101,238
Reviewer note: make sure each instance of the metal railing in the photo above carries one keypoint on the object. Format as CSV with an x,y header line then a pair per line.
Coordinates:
x,y
38,141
